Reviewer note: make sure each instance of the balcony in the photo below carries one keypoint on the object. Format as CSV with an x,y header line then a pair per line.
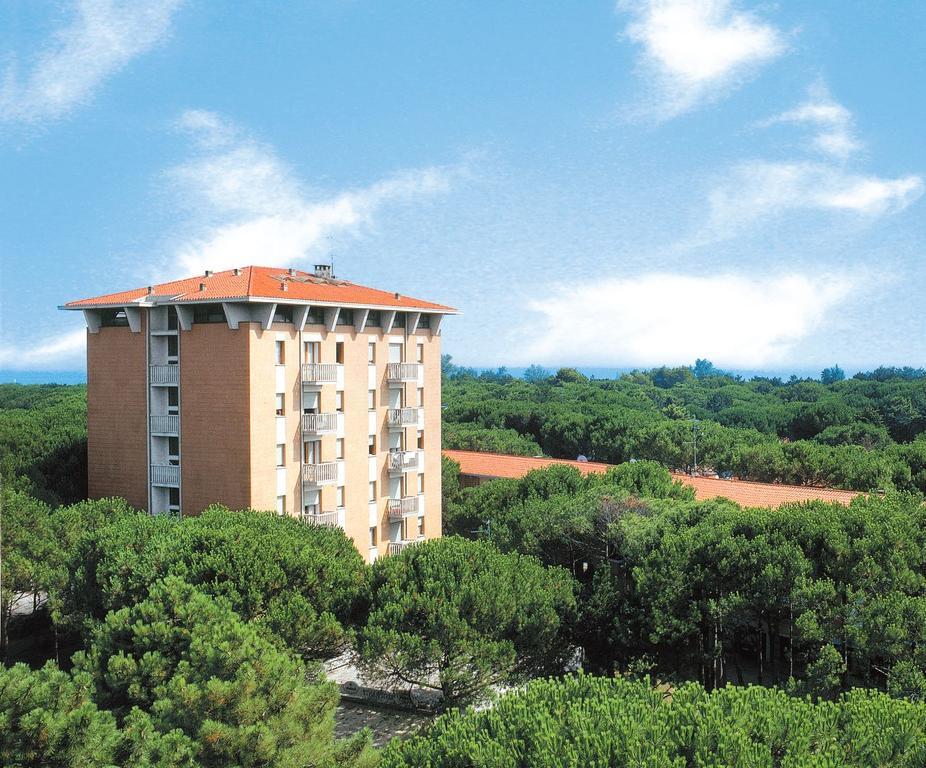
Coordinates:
x,y
165,425
320,373
317,475
165,474
398,418
319,423
400,508
399,372
399,462
394,547
329,519
164,375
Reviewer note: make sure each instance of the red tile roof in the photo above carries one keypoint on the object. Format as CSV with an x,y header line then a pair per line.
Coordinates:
x,y
743,492
264,283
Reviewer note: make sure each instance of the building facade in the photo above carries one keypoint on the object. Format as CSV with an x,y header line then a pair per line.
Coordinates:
x,y
269,389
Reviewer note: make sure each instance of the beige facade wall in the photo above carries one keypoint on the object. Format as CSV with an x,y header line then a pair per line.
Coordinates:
x,y
215,419
117,414
432,433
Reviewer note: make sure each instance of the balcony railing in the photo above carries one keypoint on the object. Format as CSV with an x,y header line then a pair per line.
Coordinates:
x,y
394,547
165,425
165,474
402,417
324,473
320,518
319,423
402,371
319,373
164,375
402,461
399,508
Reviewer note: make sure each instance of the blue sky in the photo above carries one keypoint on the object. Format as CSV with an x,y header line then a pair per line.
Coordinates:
x,y
591,183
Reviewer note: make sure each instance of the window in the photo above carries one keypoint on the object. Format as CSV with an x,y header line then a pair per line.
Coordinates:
x,y
281,455
171,319
208,313
172,348
420,483
395,353
346,317
419,398
374,319
281,404
372,490
420,439
173,400
420,353
283,314
371,352
312,352
113,318
281,505
372,536
399,320
173,450
315,316
339,401
173,498
424,321
280,353
313,452
310,510
421,527
339,448
340,496
371,445
339,352
371,400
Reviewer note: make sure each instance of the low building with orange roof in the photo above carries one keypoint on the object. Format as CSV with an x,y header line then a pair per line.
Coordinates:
x,y
477,467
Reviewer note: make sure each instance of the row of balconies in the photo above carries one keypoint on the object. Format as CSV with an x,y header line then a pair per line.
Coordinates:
x,y
327,373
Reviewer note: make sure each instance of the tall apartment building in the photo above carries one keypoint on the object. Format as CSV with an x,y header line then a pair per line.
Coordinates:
x,y
270,389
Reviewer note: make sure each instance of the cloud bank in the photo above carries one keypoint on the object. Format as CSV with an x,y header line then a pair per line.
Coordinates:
x,y
66,351
665,318
695,51
103,37
833,122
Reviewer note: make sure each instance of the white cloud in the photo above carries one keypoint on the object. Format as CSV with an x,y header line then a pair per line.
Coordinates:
x,y
695,50
102,38
249,208
65,351
760,190
833,122
665,318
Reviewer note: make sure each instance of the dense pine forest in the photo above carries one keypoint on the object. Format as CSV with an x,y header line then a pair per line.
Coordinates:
x,y
862,433
709,633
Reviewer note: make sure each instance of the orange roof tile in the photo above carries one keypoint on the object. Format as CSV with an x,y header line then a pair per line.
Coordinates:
x,y
263,283
743,492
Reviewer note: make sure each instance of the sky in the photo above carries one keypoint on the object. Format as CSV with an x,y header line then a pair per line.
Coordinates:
x,y
591,183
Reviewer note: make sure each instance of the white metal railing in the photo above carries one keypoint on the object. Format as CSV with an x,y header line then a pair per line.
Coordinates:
x,y
399,508
319,423
402,371
395,547
164,375
402,417
402,461
320,518
165,425
320,373
165,474
323,473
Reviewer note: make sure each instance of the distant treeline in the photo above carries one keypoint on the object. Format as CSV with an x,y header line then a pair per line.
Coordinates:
x,y
863,433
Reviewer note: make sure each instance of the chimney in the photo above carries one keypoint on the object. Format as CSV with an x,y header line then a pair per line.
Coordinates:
x,y
283,285
397,295
150,290
202,286
292,272
237,271
323,270
208,273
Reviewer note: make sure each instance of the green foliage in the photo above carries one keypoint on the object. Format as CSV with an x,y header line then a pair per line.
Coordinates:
x,y
588,721
854,434
303,582
460,617
194,667
43,440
